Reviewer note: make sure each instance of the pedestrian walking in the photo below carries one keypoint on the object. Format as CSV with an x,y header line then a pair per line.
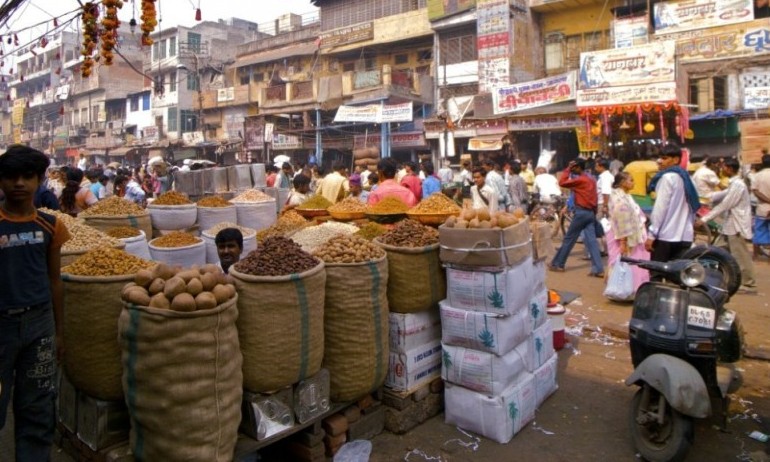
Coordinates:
x,y
761,189
584,190
627,233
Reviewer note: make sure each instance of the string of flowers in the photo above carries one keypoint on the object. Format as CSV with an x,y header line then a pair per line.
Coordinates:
x,y
149,21
110,23
89,17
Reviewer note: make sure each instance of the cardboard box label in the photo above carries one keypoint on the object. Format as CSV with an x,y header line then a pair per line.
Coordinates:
x,y
412,369
545,379
538,348
481,371
412,330
481,331
502,292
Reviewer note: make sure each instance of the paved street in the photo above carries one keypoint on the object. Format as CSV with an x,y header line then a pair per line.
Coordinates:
x,y
587,418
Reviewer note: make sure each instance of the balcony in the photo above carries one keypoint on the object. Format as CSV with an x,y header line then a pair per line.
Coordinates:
x,y
552,6
387,82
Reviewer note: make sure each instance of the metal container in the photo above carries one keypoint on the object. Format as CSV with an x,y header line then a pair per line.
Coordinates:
x,y
311,397
258,175
184,182
239,177
102,423
281,195
67,403
215,180
267,415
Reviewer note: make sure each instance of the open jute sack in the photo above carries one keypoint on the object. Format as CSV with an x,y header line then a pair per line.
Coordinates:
x,y
356,327
281,327
183,382
92,306
105,223
416,279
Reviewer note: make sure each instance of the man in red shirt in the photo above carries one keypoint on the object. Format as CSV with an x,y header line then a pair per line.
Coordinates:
x,y
386,169
584,189
412,181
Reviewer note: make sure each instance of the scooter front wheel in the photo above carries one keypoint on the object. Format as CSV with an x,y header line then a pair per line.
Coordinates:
x,y
660,433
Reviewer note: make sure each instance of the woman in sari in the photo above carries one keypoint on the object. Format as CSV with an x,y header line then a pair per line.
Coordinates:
x,y
627,233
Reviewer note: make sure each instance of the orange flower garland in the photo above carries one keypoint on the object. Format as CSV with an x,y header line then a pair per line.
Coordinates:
x,y
110,25
89,17
149,21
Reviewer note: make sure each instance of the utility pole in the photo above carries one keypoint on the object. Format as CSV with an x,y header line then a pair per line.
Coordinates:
x,y
199,81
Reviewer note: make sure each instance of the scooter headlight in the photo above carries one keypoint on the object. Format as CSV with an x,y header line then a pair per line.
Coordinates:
x,y
693,274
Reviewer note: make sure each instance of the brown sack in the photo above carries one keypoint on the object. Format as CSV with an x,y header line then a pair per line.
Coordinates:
x,y
105,223
183,382
356,328
92,306
280,327
416,279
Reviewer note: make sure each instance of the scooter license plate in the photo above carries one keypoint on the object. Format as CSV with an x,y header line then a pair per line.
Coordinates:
x,y
701,316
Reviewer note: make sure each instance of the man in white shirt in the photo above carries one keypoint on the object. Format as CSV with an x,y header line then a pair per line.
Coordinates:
x,y
736,204
483,194
706,179
445,173
546,185
603,185
495,179
673,215
761,189
334,186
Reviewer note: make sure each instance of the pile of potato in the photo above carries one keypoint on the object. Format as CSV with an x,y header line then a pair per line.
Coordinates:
x,y
172,288
482,219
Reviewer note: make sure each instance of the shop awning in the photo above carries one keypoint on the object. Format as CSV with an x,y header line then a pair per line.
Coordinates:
x,y
120,152
486,143
565,107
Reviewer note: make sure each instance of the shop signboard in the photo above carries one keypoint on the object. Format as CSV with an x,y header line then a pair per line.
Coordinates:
x,y
254,133
639,65
150,134
686,15
537,93
397,140
282,141
629,32
17,114
493,43
438,9
733,41
586,141
346,35
632,94
545,122
756,98
375,113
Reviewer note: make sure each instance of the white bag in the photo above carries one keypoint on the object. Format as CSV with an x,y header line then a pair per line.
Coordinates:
x,y
620,285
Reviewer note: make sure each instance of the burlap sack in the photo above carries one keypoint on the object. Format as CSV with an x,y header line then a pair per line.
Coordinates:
x,y
416,279
69,257
280,327
92,306
356,328
105,223
183,382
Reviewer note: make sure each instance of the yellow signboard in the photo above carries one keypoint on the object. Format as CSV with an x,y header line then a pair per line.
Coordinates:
x,y
17,116
586,141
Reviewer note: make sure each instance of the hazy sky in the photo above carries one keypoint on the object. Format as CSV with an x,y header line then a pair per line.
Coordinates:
x,y
172,12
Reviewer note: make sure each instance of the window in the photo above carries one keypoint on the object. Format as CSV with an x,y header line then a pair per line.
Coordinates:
x,y
146,102
709,94
134,103
243,75
172,81
343,13
162,49
95,113
194,42
155,51
189,120
172,120
554,52
458,47
401,59
193,82
258,77
425,55
172,46
348,67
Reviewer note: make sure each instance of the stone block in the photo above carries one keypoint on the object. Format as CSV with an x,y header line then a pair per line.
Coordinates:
x,y
369,426
401,421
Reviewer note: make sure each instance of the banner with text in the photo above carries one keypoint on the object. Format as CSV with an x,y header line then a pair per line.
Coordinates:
x,y
630,32
493,43
639,65
375,113
756,98
700,14
632,94
733,41
527,95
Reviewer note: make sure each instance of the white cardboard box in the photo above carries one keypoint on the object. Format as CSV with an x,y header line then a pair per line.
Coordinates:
x,y
481,371
537,348
414,368
545,379
504,291
495,417
481,331
411,330
538,308
538,275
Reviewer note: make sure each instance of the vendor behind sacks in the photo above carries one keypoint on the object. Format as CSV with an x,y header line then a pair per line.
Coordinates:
x,y
229,242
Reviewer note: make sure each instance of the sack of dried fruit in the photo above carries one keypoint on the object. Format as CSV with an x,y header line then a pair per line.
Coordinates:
x,y
213,210
356,321
172,210
92,286
181,360
115,211
178,248
416,279
281,325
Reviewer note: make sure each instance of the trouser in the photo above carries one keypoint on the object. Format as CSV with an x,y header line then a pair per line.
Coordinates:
x,y
667,251
583,220
28,369
738,249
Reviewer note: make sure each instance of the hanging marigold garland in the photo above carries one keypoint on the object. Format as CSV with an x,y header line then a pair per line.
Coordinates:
x,y
110,25
89,17
149,21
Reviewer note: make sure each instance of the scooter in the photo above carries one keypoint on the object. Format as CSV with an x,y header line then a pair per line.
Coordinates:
x,y
683,343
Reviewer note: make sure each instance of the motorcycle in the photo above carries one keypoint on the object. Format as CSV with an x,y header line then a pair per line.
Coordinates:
x,y
684,343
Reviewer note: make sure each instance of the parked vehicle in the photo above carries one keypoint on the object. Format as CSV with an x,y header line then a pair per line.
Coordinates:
x,y
683,342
